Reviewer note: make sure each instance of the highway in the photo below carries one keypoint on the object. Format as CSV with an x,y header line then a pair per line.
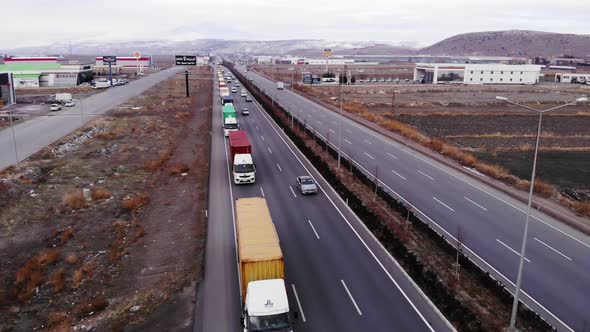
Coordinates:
x,y
555,279
37,133
338,276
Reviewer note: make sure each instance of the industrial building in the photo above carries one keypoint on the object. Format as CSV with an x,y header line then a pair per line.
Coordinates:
x,y
45,72
124,64
7,95
437,73
572,78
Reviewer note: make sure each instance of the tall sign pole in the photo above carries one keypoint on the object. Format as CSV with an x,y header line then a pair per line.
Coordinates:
x,y
327,54
186,60
137,55
110,60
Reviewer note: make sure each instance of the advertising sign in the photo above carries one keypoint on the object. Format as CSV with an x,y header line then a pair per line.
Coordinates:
x,y
186,60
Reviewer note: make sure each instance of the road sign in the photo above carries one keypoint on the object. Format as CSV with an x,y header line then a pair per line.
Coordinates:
x,y
137,55
327,52
109,59
186,60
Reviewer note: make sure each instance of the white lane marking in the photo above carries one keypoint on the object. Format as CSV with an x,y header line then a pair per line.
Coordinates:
x,y
298,303
313,228
426,324
367,141
550,247
426,175
347,141
256,128
392,156
481,207
396,173
330,129
350,132
308,115
269,150
514,251
262,192
443,204
369,155
262,137
351,298
293,192
279,166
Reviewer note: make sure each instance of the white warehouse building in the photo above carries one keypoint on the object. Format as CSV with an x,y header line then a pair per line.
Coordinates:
x,y
436,73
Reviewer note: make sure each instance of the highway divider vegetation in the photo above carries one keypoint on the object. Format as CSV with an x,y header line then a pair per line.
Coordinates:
x,y
471,300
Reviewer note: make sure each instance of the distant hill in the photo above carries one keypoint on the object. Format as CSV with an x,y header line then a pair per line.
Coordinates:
x,y
518,43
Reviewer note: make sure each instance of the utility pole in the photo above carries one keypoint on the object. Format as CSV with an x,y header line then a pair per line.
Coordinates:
x,y
186,80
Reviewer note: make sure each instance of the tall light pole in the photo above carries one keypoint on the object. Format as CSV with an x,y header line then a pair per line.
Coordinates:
x,y
292,70
512,327
340,128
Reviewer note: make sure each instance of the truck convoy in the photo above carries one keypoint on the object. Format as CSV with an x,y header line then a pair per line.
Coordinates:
x,y
230,119
280,85
243,169
262,269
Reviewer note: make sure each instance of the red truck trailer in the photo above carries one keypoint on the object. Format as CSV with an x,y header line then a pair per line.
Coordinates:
x,y
239,143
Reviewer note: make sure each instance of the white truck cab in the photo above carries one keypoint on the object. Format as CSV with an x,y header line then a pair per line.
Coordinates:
x,y
230,124
267,307
244,170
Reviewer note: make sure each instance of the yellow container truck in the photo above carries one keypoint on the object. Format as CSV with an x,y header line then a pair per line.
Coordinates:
x,y
262,269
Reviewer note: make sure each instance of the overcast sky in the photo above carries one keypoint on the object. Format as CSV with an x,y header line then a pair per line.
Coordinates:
x,y
42,22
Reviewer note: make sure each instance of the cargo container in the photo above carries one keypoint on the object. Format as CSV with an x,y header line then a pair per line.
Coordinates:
x,y
243,168
262,268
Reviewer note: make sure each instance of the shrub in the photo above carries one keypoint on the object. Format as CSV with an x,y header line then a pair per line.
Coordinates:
x,y
74,200
66,235
72,259
56,318
77,278
58,279
96,304
47,257
178,168
98,193
136,202
139,233
153,165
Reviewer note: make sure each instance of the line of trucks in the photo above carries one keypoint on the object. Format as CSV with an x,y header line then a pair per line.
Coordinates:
x,y
243,168
265,304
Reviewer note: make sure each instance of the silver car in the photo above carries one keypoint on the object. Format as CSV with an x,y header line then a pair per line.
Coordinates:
x,y
306,185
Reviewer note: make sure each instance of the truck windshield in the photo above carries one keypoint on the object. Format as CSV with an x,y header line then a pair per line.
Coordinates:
x,y
230,126
269,323
245,168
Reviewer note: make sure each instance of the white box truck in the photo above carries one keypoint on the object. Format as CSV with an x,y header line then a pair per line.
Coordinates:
x,y
280,85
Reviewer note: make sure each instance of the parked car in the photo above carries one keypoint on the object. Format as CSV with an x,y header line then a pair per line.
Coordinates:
x,y
248,99
306,185
69,103
245,111
54,107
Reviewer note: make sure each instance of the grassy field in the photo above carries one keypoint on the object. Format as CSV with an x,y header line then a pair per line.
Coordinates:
x,y
564,169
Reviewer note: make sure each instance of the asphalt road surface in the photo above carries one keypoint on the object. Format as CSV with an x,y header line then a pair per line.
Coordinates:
x,y
338,276
555,280
35,134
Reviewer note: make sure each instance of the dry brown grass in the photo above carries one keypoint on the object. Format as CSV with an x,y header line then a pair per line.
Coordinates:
x,y
178,169
71,259
139,233
28,278
55,319
99,193
136,202
58,280
541,188
182,115
157,164
74,200
48,257
66,235
94,305
106,136
581,207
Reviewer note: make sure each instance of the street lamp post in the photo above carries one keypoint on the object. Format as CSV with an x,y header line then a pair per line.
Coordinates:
x,y
512,327
340,128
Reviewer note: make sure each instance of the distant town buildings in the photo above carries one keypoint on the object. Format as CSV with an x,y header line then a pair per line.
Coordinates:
x,y
437,73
